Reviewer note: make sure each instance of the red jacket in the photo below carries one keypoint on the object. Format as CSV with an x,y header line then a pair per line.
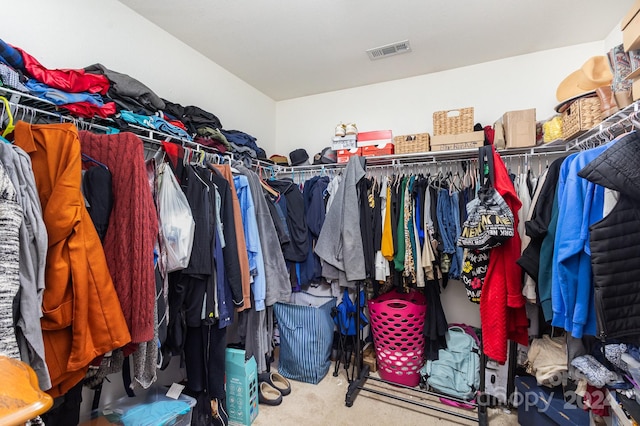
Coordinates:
x,y
72,81
502,305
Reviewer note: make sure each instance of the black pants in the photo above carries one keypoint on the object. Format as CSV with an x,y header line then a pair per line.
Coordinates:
x,y
204,352
66,409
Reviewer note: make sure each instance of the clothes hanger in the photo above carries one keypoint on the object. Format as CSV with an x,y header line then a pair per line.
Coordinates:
x,y
195,172
10,126
265,186
87,158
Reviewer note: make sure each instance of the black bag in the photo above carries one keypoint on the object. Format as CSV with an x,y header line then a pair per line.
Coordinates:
x,y
490,220
474,270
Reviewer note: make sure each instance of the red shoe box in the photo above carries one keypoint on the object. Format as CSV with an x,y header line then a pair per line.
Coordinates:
x,y
343,155
373,150
376,137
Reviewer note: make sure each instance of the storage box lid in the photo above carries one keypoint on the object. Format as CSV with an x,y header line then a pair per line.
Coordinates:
x,y
375,135
458,138
630,15
152,409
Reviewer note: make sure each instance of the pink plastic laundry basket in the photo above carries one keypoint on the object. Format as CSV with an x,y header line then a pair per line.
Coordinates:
x,y
397,323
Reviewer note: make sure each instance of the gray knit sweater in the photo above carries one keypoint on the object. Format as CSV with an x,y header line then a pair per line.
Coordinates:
x,y
10,220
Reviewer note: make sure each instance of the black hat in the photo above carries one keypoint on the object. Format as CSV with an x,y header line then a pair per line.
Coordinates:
x,y
326,156
329,156
298,156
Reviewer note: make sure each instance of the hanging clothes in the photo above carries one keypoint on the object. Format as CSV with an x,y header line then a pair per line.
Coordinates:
x,y
314,207
240,300
33,255
276,275
129,255
399,224
529,290
386,245
252,240
448,218
197,279
367,204
340,241
537,229
82,314
256,328
382,241
502,310
522,189
580,205
298,248
98,192
435,325
614,240
10,221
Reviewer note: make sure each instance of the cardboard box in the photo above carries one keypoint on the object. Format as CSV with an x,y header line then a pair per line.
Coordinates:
x,y
635,89
375,150
630,26
369,357
345,142
343,155
376,137
242,387
460,141
520,128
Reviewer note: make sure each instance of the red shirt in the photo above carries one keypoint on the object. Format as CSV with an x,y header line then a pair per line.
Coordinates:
x,y
72,81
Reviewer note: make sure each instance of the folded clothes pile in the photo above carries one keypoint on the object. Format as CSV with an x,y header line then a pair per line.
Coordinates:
x,y
77,91
97,91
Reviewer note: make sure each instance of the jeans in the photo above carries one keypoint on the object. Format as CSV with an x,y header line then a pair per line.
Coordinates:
x,y
449,223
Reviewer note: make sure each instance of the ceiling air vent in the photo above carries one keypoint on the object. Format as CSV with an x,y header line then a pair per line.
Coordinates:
x,y
389,50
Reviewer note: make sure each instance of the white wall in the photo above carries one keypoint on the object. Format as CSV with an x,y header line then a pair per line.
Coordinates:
x,y
406,106
613,39
77,33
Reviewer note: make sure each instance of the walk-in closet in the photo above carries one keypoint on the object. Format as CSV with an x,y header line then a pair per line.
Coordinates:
x,y
337,213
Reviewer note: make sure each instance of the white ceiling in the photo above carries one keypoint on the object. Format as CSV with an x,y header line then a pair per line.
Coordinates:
x,y
292,48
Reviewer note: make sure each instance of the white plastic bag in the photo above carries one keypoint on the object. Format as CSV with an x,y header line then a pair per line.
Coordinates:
x,y
177,226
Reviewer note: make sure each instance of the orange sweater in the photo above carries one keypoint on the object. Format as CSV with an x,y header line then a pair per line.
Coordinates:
x,y
82,317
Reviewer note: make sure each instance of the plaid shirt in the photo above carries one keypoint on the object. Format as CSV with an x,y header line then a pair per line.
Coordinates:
x,y
10,78
10,56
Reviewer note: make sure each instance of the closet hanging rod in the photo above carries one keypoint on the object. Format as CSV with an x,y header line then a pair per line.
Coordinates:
x,y
34,106
428,158
619,122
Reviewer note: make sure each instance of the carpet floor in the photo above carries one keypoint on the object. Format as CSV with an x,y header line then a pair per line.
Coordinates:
x,y
324,404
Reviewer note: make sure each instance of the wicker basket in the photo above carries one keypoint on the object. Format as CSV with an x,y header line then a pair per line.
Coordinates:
x,y
580,116
408,144
453,122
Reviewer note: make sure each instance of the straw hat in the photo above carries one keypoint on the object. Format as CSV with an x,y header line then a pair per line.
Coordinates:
x,y
595,73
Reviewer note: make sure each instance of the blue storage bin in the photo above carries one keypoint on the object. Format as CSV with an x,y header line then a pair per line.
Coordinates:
x,y
539,405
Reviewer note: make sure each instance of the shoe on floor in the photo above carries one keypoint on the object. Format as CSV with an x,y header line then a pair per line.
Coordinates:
x,y
340,130
276,380
351,129
269,395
